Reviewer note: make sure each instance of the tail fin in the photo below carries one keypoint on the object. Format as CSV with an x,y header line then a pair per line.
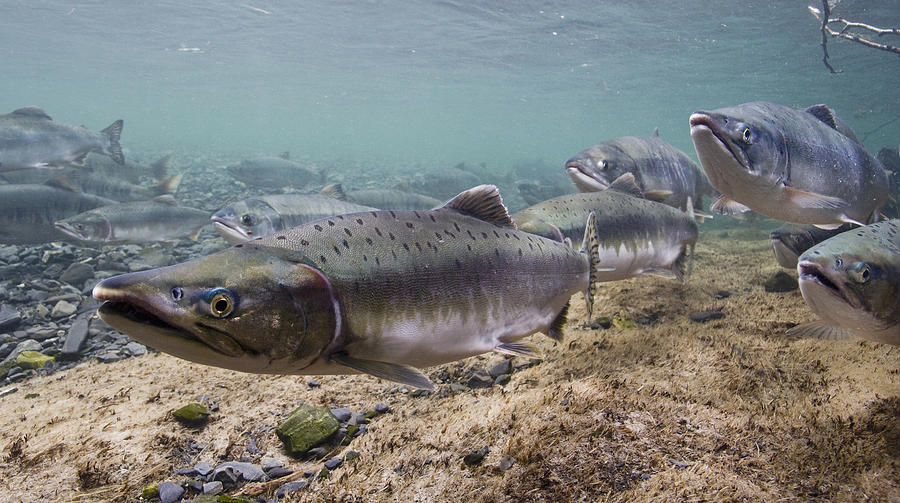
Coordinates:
x,y
169,185
591,246
113,132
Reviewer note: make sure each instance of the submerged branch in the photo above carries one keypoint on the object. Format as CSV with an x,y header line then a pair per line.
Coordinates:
x,y
823,16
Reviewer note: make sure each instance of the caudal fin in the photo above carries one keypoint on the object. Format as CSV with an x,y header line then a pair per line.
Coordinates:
x,y
113,132
590,246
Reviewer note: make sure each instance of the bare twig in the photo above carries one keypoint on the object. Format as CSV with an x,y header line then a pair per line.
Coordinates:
x,y
823,16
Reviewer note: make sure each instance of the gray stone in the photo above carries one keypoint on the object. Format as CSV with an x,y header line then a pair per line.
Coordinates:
x,y
63,309
170,492
479,379
277,473
502,380
44,332
267,463
77,273
358,419
203,468
109,357
213,488
781,282
498,369
135,348
75,336
333,463
248,472
9,319
7,348
475,458
342,414
707,316
458,387
382,408
307,427
291,487
506,462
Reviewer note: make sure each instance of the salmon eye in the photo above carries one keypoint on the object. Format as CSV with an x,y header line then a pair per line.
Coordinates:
x,y
177,293
247,220
221,304
746,134
603,165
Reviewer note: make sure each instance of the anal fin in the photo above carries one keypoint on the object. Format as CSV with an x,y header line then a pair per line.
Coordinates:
x,y
727,206
391,371
555,331
518,349
819,329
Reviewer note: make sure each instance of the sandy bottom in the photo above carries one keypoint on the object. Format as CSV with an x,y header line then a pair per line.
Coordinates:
x,y
729,410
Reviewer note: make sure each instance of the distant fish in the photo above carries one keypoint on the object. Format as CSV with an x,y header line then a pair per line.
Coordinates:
x,y
30,139
273,172
133,172
28,212
379,292
160,219
383,199
790,165
852,281
790,241
444,182
261,216
661,171
635,235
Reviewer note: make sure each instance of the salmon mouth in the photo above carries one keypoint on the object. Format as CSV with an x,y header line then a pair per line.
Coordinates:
x,y
705,126
584,177
229,230
813,272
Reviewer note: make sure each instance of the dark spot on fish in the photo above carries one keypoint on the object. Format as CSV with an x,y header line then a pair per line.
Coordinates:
x,y
418,246
517,237
346,230
520,252
405,246
432,218
318,227
496,252
496,235
530,246
438,235
470,234
391,235
507,235
393,214
336,250
359,221
458,264
322,258
340,217
356,286
469,247
484,235
456,226
365,258
378,231
280,237
377,261
394,254
416,213
346,244
409,224
331,223
452,235
369,241
238,246
304,242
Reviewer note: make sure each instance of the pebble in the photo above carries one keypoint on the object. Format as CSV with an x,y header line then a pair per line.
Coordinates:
x,y
77,273
268,463
63,309
502,380
277,473
75,336
342,414
506,462
109,357
480,379
9,319
26,345
707,316
213,488
475,458
203,468
498,369
170,492
135,348
382,408
781,282
247,472
291,487
307,426
333,463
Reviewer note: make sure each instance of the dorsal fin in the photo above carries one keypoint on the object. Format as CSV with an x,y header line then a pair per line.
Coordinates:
x,y
626,184
166,199
824,114
160,167
656,132
63,181
484,203
334,190
33,112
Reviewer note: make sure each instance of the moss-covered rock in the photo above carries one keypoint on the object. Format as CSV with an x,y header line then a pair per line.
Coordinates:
x,y
150,492
623,321
306,428
32,360
192,414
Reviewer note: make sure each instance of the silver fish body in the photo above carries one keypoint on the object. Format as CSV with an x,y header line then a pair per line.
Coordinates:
x,y
852,282
160,219
790,241
790,165
273,172
29,138
264,215
635,235
380,292
28,212
657,166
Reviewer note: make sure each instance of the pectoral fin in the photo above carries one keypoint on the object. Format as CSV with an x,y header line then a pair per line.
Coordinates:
x,y
657,195
391,371
727,206
518,349
806,199
819,329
